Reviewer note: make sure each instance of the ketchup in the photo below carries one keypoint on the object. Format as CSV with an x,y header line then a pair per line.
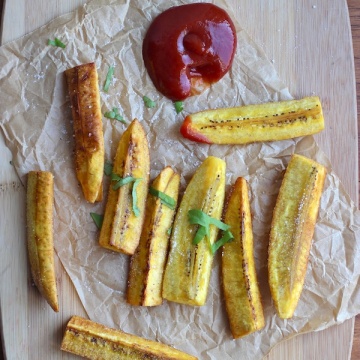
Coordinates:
x,y
189,47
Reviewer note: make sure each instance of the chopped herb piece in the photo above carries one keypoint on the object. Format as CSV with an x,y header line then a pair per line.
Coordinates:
x,y
114,114
110,114
121,181
127,180
108,167
136,210
148,102
98,219
179,106
169,230
115,177
165,199
198,217
108,79
219,224
227,237
120,118
200,234
57,43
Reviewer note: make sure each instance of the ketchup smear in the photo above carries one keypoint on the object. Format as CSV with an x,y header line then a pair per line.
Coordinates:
x,y
189,47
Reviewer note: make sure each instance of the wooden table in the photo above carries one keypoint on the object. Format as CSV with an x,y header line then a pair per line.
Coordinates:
x,y
354,9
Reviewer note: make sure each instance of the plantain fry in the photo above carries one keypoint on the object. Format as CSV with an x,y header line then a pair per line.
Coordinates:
x,y
84,93
241,290
291,232
125,207
39,209
97,342
147,264
188,268
251,123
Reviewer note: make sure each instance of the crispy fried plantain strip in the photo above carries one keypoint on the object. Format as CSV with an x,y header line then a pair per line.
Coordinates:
x,y
121,228
40,200
88,133
292,230
263,122
188,268
95,341
148,263
241,290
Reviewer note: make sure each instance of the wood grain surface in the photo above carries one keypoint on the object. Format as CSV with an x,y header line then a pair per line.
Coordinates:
x,y
354,10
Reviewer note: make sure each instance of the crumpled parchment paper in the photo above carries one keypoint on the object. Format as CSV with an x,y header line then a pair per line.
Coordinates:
x,y
37,126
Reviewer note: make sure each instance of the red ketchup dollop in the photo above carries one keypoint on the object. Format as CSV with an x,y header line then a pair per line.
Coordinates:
x,y
189,47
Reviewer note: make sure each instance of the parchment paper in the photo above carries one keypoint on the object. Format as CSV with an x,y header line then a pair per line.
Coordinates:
x,y
37,125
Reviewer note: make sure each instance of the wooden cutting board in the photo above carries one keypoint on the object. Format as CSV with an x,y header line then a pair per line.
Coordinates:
x,y
309,42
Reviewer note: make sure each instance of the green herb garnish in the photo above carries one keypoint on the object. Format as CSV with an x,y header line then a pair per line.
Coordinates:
x,y
114,114
98,219
127,180
121,181
108,168
200,234
165,199
108,79
136,210
198,217
148,102
227,237
179,106
169,230
57,43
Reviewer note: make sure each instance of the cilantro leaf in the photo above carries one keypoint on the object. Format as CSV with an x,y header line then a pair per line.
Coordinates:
x,y
165,199
148,102
57,43
98,219
108,79
179,106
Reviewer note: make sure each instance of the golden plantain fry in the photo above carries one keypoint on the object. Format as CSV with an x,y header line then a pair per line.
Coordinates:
x,y
291,232
263,122
88,132
241,290
121,228
39,210
97,342
188,268
147,264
